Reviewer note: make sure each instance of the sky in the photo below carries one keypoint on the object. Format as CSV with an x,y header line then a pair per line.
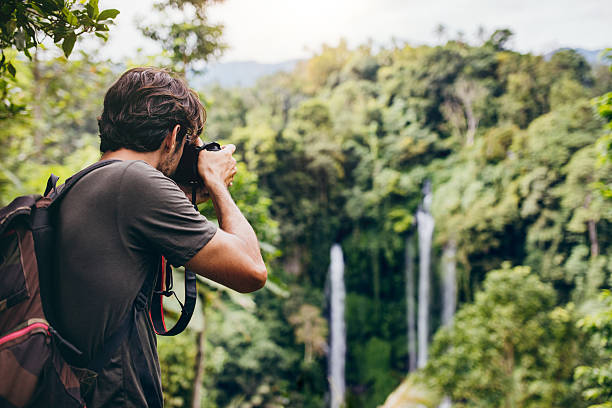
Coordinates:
x,y
270,31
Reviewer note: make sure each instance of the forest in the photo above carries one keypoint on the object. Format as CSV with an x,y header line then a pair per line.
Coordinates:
x,y
507,156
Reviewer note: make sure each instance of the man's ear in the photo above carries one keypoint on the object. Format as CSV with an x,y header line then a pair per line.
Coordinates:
x,y
171,141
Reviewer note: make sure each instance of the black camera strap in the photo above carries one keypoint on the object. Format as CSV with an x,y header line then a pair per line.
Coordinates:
x,y
194,195
163,287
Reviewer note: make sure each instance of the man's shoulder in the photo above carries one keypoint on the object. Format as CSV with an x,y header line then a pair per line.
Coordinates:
x,y
142,174
132,172
124,179
135,167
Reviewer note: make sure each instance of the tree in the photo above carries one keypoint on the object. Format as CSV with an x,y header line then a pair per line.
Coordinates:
x,y
470,95
494,353
25,24
189,38
596,378
440,31
58,131
604,108
22,23
499,39
311,330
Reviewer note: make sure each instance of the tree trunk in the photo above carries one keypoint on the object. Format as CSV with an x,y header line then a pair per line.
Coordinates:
x,y
592,226
472,125
376,281
37,101
593,238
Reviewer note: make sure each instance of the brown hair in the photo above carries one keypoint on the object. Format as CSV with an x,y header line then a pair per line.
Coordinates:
x,y
143,106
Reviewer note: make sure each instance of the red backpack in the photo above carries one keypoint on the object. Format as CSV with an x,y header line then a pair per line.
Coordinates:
x,y
34,368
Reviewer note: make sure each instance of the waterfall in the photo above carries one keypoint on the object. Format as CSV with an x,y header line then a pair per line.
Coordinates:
x,y
446,403
338,331
449,282
449,292
425,227
410,306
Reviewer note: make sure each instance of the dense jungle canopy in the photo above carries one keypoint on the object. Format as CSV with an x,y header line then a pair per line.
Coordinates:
x,y
517,149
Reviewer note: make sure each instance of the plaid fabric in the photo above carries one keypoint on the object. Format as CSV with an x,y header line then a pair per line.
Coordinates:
x,y
33,372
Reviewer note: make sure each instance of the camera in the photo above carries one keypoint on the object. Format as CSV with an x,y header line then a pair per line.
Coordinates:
x,y
187,171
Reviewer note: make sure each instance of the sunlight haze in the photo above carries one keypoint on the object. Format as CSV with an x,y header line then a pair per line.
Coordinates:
x,y
278,30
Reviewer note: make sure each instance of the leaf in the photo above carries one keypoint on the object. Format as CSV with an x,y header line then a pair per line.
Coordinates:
x,y
70,18
92,9
11,69
102,36
108,14
68,43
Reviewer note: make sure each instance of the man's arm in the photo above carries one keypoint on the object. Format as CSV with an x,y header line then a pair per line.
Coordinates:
x,y
232,257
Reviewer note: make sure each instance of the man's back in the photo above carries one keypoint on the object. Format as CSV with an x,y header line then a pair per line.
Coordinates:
x,y
114,225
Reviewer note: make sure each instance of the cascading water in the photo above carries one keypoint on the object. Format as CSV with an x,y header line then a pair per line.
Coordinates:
x,y
410,306
337,352
449,292
449,282
425,227
446,403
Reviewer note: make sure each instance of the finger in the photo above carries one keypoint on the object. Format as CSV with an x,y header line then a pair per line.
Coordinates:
x,y
230,147
199,142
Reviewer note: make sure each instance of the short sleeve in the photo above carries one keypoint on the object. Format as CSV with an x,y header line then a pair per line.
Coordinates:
x,y
154,214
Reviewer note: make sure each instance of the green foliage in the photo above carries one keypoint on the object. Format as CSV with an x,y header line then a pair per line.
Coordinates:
x,y
58,130
596,378
177,357
494,353
338,151
185,32
310,330
23,23
343,145
604,108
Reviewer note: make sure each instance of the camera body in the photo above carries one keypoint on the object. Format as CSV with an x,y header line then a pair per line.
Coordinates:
x,y
187,171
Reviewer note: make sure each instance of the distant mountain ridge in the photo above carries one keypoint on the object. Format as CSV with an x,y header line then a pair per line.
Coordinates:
x,y
239,73
593,57
246,73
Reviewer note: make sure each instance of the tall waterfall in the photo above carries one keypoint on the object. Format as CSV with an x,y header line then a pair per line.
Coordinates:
x,y
449,293
337,352
410,306
425,227
449,282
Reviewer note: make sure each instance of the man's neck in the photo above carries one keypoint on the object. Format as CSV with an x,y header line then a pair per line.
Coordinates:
x,y
152,158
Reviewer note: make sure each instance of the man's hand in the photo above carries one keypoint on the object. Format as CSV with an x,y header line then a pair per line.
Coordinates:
x,y
217,168
232,257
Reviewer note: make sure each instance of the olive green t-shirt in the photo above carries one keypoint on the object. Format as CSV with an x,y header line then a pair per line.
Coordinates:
x,y
114,225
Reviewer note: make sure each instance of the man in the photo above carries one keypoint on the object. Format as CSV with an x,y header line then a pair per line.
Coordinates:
x,y
117,221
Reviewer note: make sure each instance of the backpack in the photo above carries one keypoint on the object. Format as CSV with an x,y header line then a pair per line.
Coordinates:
x,y
36,362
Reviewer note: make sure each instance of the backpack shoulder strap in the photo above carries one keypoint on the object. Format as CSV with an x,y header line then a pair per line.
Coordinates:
x,y
58,193
19,206
43,231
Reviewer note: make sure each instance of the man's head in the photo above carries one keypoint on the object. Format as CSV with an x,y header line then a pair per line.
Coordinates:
x,y
144,106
